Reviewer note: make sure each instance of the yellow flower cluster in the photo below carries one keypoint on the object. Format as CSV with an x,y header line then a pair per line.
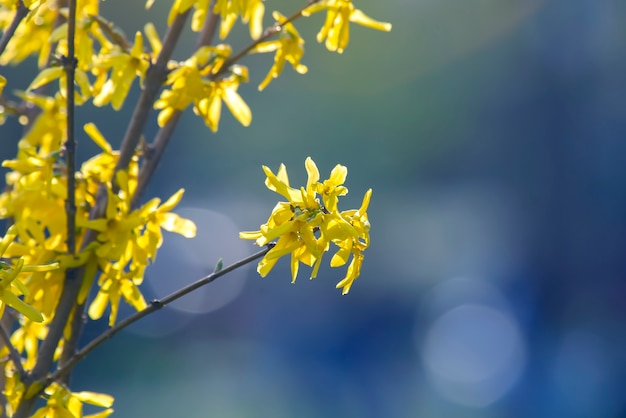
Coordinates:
x,y
107,64
10,286
336,29
60,401
127,238
305,225
195,82
289,47
34,254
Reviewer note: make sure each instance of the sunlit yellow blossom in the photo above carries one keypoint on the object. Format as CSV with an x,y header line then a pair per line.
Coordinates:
x,y
251,11
181,6
125,67
289,47
10,285
32,36
128,239
192,83
47,132
305,226
13,388
61,402
336,29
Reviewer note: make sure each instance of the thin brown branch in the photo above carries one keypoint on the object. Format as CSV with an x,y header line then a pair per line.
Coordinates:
x,y
154,80
153,157
116,36
20,14
154,306
155,150
15,357
69,64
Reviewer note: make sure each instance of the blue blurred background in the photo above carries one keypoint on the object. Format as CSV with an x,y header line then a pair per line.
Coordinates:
x,y
492,134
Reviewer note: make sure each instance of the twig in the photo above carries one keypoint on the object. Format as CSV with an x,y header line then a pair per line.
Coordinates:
x,y
153,82
153,157
116,36
154,306
20,13
155,150
69,64
267,33
13,354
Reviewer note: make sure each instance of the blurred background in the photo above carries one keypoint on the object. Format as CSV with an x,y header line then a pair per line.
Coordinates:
x,y
492,135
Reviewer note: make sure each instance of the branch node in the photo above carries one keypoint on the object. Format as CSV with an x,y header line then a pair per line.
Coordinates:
x,y
157,303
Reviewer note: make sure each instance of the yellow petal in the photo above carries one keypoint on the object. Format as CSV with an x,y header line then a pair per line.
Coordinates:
x,y
265,266
96,309
312,171
153,38
337,176
137,50
83,82
45,76
263,47
341,257
174,223
294,268
366,202
237,106
97,137
23,308
40,268
98,399
250,235
171,203
357,16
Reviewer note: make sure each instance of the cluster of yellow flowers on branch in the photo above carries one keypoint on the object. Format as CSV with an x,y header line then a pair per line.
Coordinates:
x,y
305,226
50,204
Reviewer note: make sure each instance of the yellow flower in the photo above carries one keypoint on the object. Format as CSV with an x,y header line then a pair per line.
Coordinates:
x,y
125,67
13,388
251,11
289,47
47,132
193,83
10,286
61,402
127,239
336,29
305,225
32,36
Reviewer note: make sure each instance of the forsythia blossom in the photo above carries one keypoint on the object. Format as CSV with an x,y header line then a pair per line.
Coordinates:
x,y
192,82
305,226
289,47
61,402
339,13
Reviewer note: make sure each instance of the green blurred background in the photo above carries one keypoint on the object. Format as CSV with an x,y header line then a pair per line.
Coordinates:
x,y
492,135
